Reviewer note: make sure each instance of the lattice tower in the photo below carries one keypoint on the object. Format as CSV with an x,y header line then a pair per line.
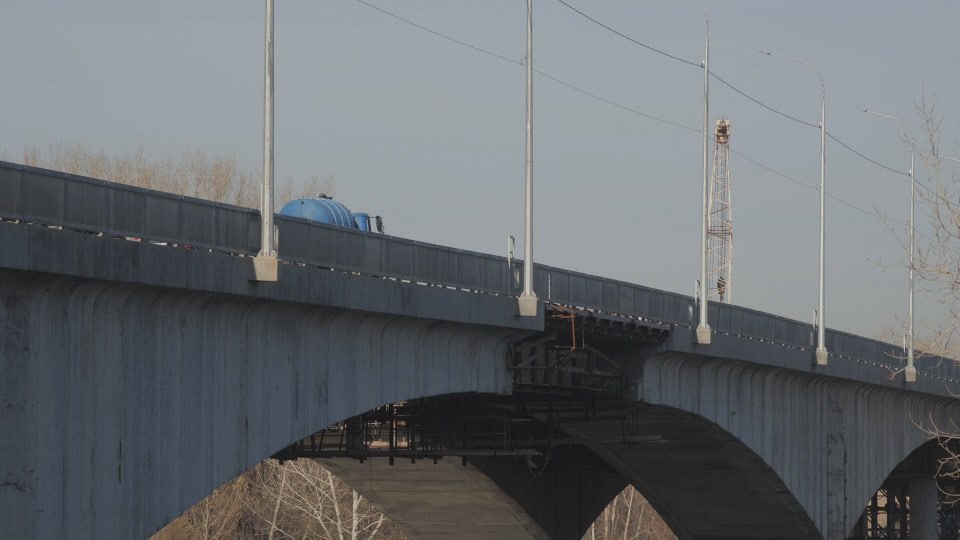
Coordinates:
x,y
720,224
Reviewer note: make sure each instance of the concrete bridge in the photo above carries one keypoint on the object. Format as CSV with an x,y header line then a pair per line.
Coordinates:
x,y
142,368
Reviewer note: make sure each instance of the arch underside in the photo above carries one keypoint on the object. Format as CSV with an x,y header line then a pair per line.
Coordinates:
x,y
702,480
470,465
830,442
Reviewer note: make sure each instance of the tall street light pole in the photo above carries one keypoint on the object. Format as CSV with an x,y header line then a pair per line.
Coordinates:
x,y
528,299
702,335
910,373
821,354
265,263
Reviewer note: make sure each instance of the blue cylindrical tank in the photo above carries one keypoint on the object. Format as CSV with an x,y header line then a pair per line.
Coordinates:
x,y
362,221
321,209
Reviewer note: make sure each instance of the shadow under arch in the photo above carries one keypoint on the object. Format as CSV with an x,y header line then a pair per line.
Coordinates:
x,y
829,441
465,466
918,499
702,480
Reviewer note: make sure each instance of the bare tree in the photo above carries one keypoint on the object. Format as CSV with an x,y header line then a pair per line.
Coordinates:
x,y
629,516
937,267
194,173
313,503
314,187
294,500
937,264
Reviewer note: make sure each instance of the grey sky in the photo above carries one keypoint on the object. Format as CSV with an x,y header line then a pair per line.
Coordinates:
x,y
429,133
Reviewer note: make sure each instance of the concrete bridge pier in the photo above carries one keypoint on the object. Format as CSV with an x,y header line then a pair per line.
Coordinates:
x,y
924,496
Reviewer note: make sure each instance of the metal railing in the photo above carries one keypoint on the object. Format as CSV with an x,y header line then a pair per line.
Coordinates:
x,y
52,198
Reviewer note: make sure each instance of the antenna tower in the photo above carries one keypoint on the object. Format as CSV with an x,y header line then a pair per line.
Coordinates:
x,y
720,225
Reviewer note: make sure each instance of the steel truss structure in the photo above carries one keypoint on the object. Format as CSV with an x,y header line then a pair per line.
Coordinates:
x,y
720,223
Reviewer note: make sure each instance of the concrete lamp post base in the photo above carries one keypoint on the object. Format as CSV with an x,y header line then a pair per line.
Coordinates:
x,y
528,305
702,336
821,357
265,268
910,374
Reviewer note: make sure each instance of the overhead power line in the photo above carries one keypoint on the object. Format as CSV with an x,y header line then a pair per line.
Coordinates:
x,y
537,71
438,34
762,104
631,110
729,85
614,103
630,39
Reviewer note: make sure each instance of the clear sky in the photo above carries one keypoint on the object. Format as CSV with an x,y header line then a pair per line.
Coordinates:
x,y
429,133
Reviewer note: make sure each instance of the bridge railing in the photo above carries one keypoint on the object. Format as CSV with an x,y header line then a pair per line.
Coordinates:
x,y
57,199
351,250
617,297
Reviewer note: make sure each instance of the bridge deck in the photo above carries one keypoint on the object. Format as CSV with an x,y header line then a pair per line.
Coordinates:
x,y
445,283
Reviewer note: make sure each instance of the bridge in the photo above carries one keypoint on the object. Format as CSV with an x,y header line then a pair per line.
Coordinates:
x,y
142,367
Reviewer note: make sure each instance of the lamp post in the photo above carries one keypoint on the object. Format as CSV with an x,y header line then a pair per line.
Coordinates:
x,y
821,352
265,263
527,301
702,335
910,373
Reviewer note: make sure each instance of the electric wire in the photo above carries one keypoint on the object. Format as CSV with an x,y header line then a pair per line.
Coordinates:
x,y
881,165
878,164
757,102
731,86
612,103
541,73
630,39
762,104
438,34
871,213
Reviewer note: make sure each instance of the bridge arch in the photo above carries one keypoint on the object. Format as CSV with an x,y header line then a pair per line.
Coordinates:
x,y
744,435
134,431
482,466
163,394
806,428
700,478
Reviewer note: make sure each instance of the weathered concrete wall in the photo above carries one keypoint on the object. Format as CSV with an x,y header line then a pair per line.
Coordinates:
x,y
832,441
137,377
124,404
